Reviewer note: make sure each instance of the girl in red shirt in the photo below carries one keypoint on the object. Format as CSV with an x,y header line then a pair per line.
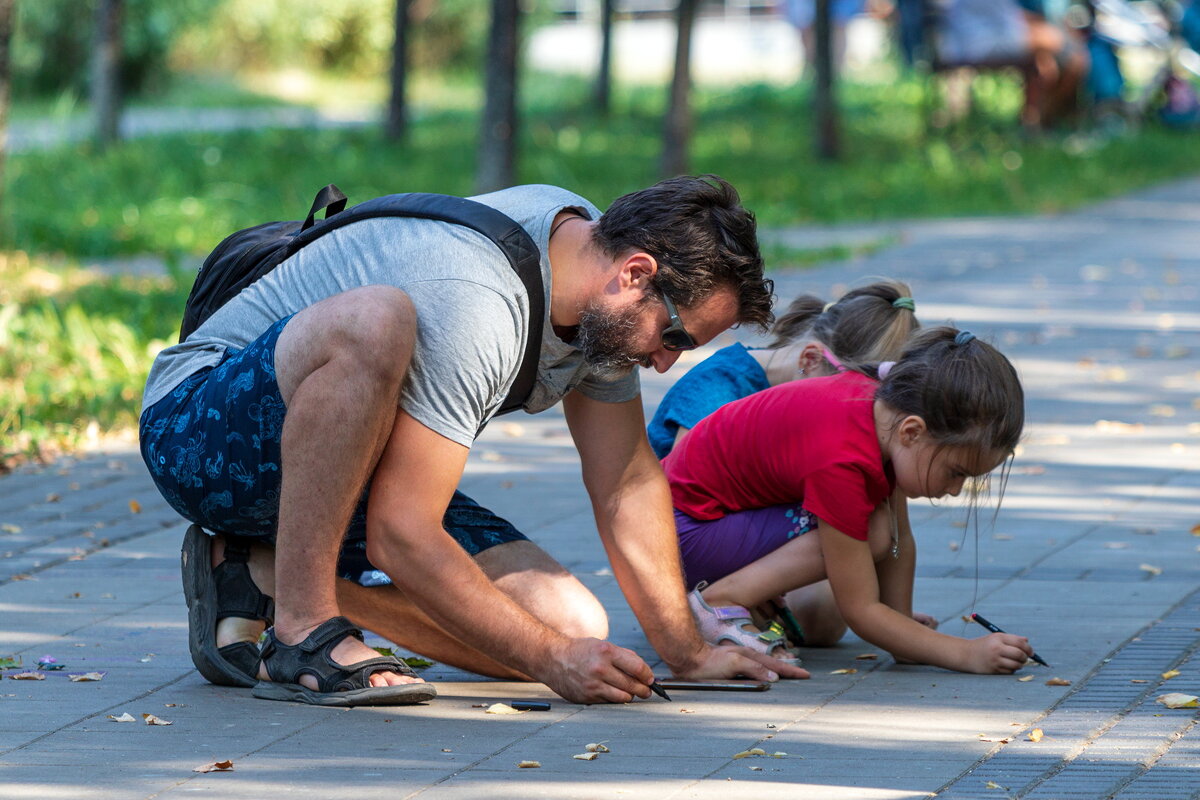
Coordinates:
x,y
803,482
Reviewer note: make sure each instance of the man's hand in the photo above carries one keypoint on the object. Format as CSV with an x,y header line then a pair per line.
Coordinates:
x,y
728,661
594,671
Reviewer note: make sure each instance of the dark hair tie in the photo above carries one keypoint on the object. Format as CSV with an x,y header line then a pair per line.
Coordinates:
x,y
963,337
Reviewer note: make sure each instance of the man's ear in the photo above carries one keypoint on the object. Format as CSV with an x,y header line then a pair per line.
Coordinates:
x,y
637,269
812,359
911,429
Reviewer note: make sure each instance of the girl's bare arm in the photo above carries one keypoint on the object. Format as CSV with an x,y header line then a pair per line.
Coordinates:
x,y
856,589
896,573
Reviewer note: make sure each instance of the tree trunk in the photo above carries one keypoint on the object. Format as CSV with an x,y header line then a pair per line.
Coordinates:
x,y
106,80
603,93
824,101
497,140
396,124
6,29
678,127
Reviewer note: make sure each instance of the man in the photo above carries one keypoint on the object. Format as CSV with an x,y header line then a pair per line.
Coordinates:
x,y
329,409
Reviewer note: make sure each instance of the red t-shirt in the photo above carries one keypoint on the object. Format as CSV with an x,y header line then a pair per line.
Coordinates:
x,y
809,441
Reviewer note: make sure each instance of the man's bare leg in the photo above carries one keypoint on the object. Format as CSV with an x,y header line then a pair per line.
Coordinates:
x,y
339,365
520,569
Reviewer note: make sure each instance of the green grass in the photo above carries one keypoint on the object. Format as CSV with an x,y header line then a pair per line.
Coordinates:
x,y
75,348
181,194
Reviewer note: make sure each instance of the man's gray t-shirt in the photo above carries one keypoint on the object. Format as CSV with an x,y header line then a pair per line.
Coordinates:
x,y
471,312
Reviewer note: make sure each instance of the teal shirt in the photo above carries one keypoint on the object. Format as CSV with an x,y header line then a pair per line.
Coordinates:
x,y
729,374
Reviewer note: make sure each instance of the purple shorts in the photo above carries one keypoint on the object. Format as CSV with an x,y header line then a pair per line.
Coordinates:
x,y
712,549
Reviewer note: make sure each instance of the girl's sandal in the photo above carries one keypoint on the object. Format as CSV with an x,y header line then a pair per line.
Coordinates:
x,y
339,685
734,625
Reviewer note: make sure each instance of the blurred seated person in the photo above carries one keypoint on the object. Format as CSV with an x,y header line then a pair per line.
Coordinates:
x,y
983,33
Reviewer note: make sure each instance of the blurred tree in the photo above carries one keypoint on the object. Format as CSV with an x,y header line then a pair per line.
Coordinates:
x,y
824,99
51,50
495,168
603,90
6,30
678,125
106,80
397,112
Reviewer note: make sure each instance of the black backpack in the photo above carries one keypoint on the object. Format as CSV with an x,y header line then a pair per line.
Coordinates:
x,y
245,256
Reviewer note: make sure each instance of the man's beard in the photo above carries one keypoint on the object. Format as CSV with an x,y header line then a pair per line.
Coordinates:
x,y
606,339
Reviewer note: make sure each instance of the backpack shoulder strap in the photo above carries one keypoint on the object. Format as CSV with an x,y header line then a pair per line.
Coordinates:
x,y
513,240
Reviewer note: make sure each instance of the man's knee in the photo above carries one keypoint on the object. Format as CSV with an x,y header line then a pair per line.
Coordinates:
x,y
545,589
377,326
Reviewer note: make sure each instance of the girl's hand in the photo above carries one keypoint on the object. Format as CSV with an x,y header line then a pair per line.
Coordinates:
x,y
1002,653
926,620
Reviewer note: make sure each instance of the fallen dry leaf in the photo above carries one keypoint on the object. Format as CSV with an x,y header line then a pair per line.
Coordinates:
x,y
983,737
1058,682
1196,530
866,656
953,547
779,754
686,711
586,756
126,717
994,785
216,766
153,720
502,708
135,507
1153,570
755,769
8,527
28,676
53,497
1171,673
1036,735
1025,678
753,751
529,764
1138,680
1178,700
843,672
596,747
81,677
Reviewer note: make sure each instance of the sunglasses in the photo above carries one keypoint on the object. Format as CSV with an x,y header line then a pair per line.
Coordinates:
x,y
675,338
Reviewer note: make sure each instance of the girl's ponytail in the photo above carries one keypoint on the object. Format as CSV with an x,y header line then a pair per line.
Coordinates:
x,y
964,389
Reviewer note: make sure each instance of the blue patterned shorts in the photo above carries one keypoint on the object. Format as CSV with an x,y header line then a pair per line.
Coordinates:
x,y
213,449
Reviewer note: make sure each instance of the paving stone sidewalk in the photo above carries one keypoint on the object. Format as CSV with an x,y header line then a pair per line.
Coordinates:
x,y
1092,556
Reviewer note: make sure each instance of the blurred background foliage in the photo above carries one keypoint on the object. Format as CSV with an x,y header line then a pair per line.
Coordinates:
x,y
79,326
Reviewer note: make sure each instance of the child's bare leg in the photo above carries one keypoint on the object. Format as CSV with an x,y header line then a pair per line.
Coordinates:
x,y
816,610
795,564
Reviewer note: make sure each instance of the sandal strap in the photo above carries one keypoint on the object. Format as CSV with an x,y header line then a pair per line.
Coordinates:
x,y
237,594
329,633
358,675
287,663
731,613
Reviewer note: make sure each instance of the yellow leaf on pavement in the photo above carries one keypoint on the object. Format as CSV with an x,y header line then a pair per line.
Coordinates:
x,y
215,766
1036,735
1171,673
1058,682
153,720
1178,700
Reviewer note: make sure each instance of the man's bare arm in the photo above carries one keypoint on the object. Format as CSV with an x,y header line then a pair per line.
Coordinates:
x,y
410,491
632,505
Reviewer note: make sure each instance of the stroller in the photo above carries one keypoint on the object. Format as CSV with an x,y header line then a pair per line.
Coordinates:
x,y
1170,33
